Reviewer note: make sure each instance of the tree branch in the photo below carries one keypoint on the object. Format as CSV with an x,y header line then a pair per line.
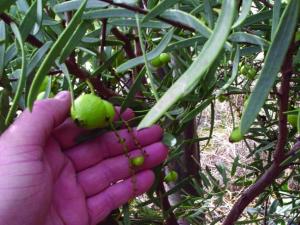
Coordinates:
x,y
144,12
72,66
127,45
279,155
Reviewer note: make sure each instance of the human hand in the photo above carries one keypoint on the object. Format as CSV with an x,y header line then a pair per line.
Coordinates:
x,y
46,179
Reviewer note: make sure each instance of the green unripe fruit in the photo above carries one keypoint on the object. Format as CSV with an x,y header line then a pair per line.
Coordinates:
x,y
236,135
44,84
251,73
244,70
297,36
109,112
293,120
41,95
89,111
137,161
165,58
156,62
171,176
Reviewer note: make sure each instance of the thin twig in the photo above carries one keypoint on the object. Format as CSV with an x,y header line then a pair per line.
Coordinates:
x,y
279,155
144,12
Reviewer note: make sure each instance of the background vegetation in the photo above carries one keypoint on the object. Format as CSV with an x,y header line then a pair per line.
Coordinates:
x,y
242,53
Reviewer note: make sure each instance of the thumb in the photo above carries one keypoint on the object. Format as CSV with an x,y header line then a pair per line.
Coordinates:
x,y
34,128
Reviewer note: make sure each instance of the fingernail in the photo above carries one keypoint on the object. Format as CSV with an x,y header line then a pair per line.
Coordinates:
x,y
62,95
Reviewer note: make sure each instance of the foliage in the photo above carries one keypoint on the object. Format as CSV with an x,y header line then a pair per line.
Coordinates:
x,y
218,50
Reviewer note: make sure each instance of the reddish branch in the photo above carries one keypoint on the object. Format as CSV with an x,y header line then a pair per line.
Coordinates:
x,y
144,12
171,218
127,44
72,66
279,155
103,39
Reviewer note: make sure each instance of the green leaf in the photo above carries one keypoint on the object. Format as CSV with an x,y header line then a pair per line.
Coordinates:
x,y
189,80
74,40
29,20
5,4
192,114
242,37
151,55
191,21
22,78
37,57
39,16
76,4
108,13
246,7
209,13
133,90
159,9
273,62
276,17
2,46
53,54
259,17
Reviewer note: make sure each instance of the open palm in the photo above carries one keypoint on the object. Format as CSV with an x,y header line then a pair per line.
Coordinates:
x,y
48,179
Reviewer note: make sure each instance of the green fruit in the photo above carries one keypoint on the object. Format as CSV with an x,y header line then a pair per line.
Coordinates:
x,y
293,120
165,58
109,112
137,161
244,70
41,95
297,36
44,84
236,135
171,176
156,62
251,73
89,111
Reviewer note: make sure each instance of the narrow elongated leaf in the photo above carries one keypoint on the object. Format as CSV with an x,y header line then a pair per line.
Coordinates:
x,y
234,73
187,82
132,23
74,40
37,57
242,37
276,17
108,13
22,77
151,55
246,7
209,13
191,21
11,52
39,16
29,20
75,4
192,114
273,62
133,90
262,16
159,9
53,54
2,46
5,4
